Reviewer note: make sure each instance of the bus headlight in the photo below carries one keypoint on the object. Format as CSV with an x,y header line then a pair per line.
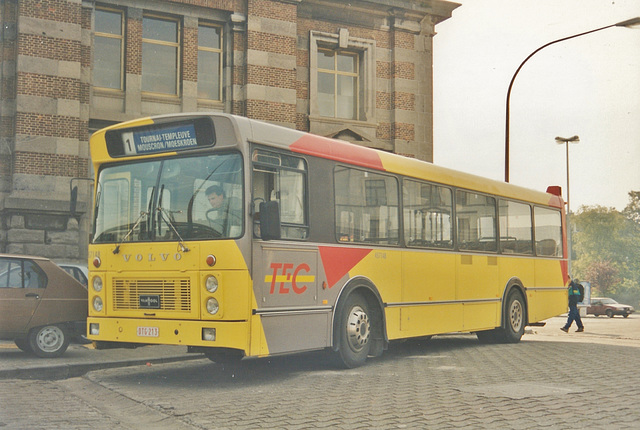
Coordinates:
x,y
213,306
97,284
97,304
211,284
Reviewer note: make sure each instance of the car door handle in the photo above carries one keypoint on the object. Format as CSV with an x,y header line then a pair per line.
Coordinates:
x,y
37,296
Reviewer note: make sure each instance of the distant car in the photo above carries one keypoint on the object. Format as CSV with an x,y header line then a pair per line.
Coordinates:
x,y
78,271
608,307
41,306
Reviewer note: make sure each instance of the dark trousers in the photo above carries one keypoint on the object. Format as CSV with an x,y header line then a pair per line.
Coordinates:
x,y
574,315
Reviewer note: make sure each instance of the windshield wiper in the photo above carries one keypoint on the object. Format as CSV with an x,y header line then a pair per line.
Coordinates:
x,y
142,213
167,219
117,249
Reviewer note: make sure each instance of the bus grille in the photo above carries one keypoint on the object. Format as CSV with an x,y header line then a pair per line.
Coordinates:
x,y
173,294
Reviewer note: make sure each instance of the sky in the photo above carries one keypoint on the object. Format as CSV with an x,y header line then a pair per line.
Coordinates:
x,y
588,86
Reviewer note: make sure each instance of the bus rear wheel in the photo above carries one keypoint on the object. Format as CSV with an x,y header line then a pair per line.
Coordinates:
x,y
514,322
514,319
354,331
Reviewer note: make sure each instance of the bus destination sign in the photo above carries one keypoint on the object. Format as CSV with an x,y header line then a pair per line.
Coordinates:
x,y
165,139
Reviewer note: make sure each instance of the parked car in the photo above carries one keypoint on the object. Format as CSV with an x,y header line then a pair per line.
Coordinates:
x,y
78,271
608,307
41,305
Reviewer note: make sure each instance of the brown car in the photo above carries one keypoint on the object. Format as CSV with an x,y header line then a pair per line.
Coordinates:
x,y
608,307
41,306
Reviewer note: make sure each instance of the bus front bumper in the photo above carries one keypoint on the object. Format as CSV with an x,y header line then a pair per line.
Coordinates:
x,y
132,332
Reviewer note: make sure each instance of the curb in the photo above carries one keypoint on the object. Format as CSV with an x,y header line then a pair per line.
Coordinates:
x,y
64,371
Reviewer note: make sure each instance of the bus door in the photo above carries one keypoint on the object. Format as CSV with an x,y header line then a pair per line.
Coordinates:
x,y
477,264
285,272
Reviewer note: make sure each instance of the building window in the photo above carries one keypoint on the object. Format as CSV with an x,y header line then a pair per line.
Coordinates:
x,y
160,54
209,62
342,86
338,83
108,49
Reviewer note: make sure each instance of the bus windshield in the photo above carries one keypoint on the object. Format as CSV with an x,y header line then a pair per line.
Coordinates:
x,y
171,199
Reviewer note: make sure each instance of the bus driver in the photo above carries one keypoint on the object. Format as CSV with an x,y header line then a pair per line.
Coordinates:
x,y
221,216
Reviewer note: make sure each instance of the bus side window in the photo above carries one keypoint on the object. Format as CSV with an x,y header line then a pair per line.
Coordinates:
x,y
548,232
476,220
283,179
367,207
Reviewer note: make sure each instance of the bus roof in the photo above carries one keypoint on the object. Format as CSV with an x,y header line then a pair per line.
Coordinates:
x,y
350,153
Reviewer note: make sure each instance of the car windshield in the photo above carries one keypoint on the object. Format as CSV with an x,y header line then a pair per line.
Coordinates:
x,y
174,199
608,301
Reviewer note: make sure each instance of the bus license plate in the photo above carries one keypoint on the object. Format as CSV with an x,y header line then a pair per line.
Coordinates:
x,y
148,332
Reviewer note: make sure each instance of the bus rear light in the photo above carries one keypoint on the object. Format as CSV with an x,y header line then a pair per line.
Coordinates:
x,y
97,262
94,329
211,260
209,334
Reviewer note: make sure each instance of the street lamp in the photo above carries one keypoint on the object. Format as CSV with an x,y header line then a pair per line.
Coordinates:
x,y
628,24
566,141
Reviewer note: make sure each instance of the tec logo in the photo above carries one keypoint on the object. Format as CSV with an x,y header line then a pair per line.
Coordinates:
x,y
285,274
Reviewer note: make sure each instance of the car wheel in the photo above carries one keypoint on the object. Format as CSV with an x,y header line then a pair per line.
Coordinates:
x,y
609,313
23,344
625,316
48,341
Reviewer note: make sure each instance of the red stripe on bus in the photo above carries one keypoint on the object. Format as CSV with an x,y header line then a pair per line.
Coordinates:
x,y
338,260
337,150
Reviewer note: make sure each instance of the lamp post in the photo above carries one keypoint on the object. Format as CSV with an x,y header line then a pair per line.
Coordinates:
x,y
566,141
628,23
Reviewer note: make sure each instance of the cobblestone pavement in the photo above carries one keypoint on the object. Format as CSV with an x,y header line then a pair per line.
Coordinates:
x,y
548,380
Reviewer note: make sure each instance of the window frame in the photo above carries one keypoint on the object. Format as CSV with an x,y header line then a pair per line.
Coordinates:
x,y
264,167
391,241
496,232
537,252
121,37
220,52
177,45
365,49
501,242
452,215
336,73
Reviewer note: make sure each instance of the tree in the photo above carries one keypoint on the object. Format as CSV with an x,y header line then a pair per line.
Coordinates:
x,y
632,211
603,276
606,244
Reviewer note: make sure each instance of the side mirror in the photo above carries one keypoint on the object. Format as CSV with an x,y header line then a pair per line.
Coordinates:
x,y
270,220
74,200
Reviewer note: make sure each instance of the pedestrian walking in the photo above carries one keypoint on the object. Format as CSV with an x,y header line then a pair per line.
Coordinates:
x,y
576,295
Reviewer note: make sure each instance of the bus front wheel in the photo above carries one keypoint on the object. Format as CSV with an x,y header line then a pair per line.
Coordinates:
x,y
354,331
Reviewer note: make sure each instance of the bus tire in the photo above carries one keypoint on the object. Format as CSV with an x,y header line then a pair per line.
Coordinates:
x,y
355,332
514,320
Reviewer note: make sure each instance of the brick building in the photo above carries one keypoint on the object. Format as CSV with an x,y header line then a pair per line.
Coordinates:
x,y
358,70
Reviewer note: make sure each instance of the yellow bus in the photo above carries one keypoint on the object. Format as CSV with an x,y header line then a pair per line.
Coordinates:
x,y
237,238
